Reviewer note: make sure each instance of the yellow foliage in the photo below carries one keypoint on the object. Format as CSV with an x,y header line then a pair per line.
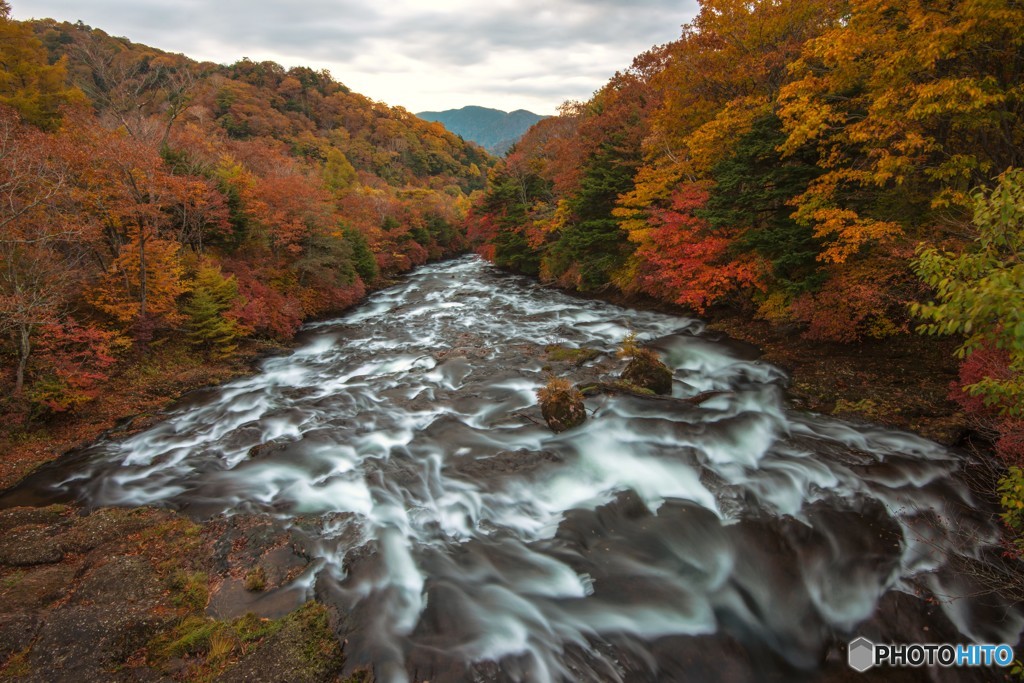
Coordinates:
x,y
775,308
714,140
903,91
845,232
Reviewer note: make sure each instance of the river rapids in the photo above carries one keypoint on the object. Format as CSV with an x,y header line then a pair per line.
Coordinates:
x,y
736,539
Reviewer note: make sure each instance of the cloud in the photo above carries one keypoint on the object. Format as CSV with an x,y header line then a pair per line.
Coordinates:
x,y
506,54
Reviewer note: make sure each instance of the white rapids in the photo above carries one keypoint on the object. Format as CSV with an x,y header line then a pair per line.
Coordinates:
x,y
468,542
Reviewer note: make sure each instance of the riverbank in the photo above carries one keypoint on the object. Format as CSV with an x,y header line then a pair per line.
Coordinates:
x,y
901,382
130,401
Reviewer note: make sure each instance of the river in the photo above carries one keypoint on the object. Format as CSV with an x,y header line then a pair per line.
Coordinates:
x,y
658,541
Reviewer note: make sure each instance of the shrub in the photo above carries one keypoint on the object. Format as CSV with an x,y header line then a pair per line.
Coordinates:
x,y
561,404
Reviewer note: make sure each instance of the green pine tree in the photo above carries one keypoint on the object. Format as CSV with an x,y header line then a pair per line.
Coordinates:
x,y
212,296
752,190
363,259
593,241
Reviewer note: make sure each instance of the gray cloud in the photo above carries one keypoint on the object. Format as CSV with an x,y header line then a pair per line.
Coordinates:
x,y
536,53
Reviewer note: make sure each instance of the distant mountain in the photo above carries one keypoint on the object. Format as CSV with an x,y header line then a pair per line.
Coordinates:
x,y
492,129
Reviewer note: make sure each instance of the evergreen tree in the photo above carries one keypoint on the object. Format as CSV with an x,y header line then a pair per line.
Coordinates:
x,y
362,257
592,242
753,187
212,296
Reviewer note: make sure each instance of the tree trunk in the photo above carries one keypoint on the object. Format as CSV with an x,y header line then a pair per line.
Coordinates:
x,y
142,273
24,348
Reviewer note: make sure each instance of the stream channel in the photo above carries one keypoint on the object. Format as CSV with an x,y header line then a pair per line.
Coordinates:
x,y
736,539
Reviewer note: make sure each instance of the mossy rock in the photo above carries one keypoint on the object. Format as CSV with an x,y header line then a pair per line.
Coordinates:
x,y
565,354
646,371
561,404
302,649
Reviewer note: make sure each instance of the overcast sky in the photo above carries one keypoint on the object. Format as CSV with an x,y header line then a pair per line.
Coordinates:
x,y
506,54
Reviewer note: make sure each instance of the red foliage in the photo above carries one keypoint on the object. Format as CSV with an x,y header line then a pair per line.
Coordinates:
x,y
74,361
985,362
838,311
1007,432
320,296
481,230
860,299
684,261
262,307
1010,444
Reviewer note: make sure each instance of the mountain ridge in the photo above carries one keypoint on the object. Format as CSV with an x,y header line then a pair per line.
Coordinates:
x,y
493,129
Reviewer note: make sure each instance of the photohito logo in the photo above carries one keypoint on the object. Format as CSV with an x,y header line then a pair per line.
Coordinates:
x,y
862,654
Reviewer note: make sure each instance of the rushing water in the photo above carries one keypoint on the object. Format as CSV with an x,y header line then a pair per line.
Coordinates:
x,y
465,540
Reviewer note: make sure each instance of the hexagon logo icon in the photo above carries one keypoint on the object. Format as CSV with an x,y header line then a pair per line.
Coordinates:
x,y
861,654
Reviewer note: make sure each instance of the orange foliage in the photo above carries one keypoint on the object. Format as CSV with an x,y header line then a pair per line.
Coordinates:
x,y
145,279
282,177
865,299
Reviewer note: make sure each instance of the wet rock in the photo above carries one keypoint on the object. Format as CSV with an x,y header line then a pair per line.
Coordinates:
x,y
107,525
561,404
12,518
645,370
86,642
123,580
717,657
118,608
241,540
575,357
36,587
505,463
268,449
47,544
29,546
233,600
17,631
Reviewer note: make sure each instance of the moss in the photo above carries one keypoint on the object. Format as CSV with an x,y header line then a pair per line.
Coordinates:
x,y
12,579
16,666
251,628
209,644
564,354
191,637
302,648
320,645
256,579
190,590
633,388
645,370
304,636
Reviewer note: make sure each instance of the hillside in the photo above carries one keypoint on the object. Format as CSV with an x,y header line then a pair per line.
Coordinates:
x,y
493,129
150,200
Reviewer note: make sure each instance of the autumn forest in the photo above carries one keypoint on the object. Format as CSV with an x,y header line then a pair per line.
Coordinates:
x,y
842,173
250,197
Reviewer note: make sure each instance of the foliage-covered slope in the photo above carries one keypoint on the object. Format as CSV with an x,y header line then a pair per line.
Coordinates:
x,y
148,197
